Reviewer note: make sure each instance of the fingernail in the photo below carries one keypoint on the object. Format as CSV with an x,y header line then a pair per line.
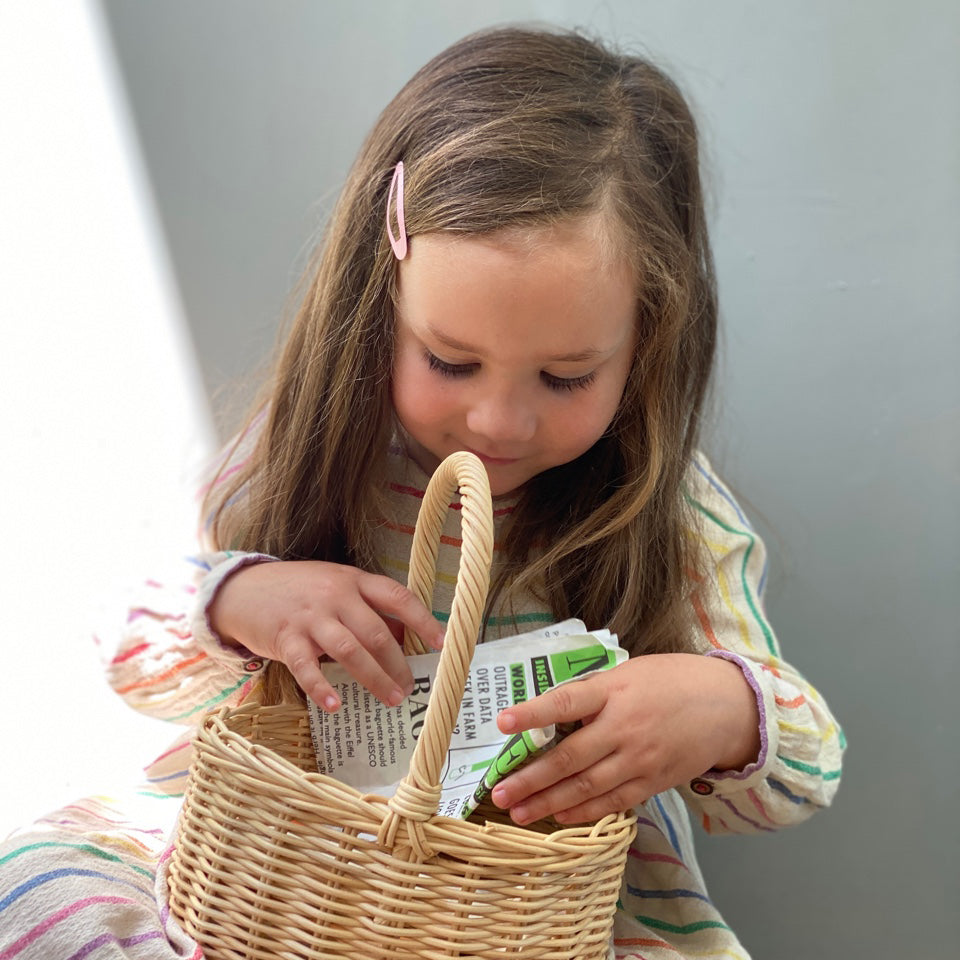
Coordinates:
x,y
438,640
331,703
519,815
507,722
499,796
396,697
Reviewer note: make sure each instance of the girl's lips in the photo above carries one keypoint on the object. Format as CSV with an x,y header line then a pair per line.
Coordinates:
x,y
494,461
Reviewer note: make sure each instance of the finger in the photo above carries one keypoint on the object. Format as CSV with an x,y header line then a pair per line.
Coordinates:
x,y
623,798
375,636
564,704
579,796
571,761
341,645
301,658
390,597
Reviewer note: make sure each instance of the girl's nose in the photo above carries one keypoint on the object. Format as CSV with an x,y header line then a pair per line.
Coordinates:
x,y
501,418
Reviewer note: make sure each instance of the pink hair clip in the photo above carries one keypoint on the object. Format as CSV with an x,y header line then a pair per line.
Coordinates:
x,y
399,242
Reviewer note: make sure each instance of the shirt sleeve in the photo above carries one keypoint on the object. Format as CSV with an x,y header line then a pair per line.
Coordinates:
x,y
168,662
798,768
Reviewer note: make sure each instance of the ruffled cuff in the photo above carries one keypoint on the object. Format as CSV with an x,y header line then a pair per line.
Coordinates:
x,y
720,783
209,587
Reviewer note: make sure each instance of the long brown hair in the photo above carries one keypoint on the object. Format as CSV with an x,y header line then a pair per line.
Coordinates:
x,y
506,128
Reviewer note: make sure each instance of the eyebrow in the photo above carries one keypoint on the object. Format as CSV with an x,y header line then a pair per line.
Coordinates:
x,y
578,357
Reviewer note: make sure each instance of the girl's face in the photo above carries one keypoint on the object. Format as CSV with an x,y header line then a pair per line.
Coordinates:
x,y
514,346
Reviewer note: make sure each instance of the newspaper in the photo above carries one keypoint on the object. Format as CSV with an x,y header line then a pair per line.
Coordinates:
x,y
369,745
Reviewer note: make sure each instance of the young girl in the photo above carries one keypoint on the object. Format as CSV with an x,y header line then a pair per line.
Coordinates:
x,y
518,266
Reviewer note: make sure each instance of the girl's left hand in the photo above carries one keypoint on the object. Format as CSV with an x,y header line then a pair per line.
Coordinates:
x,y
650,723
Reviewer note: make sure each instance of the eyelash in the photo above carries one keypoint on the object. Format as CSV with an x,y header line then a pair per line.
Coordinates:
x,y
568,383
448,369
560,384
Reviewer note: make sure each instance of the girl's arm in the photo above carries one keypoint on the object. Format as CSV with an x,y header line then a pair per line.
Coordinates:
x,y
798,767
186,650
737,730
199,639
168,662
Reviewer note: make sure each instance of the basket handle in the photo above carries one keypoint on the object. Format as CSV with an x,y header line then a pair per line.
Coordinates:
x,y
419,792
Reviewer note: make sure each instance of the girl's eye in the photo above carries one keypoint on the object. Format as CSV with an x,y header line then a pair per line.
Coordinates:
x,y
448,369
465,369
568,383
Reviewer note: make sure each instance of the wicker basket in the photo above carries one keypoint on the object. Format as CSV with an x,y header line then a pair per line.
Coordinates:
x,y
272,860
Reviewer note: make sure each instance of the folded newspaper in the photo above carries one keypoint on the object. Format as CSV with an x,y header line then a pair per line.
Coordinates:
x,y
369,745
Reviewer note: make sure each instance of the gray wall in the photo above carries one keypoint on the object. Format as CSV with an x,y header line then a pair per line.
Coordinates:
x,y
833,136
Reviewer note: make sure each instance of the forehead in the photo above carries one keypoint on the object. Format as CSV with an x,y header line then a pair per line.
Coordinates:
x,y
563,287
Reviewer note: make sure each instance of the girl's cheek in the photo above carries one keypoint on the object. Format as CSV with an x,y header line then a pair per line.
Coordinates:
x,y
420,397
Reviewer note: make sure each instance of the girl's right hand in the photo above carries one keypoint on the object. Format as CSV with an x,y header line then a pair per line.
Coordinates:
x,y
298,611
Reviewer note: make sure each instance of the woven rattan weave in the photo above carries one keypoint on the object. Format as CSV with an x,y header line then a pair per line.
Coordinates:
x,y
274,860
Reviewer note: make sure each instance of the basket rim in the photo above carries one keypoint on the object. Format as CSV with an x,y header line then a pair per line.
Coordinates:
x,y
565,840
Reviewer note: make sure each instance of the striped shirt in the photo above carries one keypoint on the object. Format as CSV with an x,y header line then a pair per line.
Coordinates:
x,y
91,876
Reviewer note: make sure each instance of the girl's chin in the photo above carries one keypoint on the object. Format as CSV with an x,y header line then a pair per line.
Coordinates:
x,y
504,482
